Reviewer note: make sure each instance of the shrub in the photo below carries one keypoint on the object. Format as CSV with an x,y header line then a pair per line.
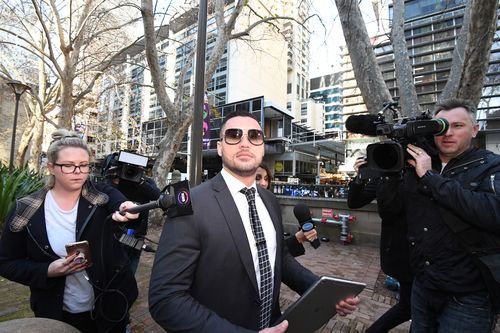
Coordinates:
x,y
20,183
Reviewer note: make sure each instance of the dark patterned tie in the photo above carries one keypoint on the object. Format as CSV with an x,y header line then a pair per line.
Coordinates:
x,y
266,279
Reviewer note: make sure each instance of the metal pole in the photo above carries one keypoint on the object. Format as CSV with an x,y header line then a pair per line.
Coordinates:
x,y
14,129
195,171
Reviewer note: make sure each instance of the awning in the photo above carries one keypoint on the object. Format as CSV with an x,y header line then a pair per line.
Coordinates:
x,y
327,149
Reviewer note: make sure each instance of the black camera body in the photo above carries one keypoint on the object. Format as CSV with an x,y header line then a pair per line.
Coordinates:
x,y
125,165
389,156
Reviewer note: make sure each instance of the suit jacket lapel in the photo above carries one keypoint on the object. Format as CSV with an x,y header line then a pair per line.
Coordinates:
x,y
235,224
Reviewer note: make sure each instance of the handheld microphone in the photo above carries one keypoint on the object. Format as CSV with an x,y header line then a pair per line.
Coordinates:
x,y
303,215
164,201
174,205
365,124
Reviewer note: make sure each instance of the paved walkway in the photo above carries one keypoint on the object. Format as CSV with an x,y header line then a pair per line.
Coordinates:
x,y
354,262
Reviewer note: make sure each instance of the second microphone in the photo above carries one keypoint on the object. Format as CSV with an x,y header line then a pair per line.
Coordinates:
x,y
303,215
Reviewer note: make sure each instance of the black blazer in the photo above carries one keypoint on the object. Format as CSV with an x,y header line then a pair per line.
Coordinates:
x,y
394,248
203,278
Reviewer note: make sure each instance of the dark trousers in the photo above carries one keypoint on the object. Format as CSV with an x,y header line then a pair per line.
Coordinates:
x,y
81,321
85,324
399,313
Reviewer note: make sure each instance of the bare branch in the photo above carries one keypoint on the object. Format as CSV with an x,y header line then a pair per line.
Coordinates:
x,y
47,36
152,55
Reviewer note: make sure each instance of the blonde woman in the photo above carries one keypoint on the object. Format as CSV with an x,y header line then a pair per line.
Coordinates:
x,y
93,298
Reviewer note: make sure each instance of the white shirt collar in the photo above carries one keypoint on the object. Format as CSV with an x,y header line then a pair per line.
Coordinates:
x,y
235,185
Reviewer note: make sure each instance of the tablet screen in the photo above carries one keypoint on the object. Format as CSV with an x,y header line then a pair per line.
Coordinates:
x,y
317,305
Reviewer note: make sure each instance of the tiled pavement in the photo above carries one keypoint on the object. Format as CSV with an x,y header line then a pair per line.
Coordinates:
x,y
354,262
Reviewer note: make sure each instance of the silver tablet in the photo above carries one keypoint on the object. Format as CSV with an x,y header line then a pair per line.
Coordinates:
x,y
317,305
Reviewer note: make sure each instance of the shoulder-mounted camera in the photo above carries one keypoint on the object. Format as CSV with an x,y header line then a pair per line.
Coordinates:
x,y
125,165
390,155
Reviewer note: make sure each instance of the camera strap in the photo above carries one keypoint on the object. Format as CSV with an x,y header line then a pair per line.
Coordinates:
x,y
86,222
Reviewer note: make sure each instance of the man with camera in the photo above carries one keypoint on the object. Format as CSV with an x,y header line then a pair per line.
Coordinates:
x,y
452,204
125,172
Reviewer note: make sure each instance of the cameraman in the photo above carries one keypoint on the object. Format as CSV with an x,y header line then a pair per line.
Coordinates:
x,y
452,206
394,252
143,191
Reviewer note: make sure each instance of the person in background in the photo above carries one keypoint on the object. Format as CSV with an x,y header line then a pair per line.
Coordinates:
x,y
221,268
93,298
263,178
394,249
452,207
140,192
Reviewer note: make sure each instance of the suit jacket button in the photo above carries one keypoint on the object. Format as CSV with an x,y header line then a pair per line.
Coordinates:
x,y
46,247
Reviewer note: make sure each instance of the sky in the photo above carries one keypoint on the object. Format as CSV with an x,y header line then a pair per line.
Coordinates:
x,y
327,37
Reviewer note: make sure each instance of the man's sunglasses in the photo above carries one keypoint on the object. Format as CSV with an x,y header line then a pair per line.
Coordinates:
x,y
233,136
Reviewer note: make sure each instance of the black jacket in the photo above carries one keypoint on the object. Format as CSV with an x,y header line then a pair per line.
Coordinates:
x,y
143,192
467,190
295,248
25,255
394,251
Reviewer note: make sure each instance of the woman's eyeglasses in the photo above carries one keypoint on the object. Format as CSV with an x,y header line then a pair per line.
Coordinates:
x,y
71,168
233,136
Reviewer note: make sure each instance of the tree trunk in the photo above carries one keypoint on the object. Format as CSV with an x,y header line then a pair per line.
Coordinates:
x,y
168,149
65,115
457,63
481,31
366,70
25,141
408,100
36,143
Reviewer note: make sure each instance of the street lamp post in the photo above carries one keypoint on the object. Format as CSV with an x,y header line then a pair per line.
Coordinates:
x,y
19,88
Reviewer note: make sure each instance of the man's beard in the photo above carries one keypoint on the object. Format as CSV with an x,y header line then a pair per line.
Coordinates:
x,y
246,171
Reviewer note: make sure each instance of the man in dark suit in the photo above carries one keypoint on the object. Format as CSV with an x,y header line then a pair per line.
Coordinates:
x,y
207,272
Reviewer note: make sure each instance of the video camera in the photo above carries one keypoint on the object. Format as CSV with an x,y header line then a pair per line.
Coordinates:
x,y
389,156
125,165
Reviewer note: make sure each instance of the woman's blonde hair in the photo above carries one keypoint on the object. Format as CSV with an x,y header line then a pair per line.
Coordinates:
x,y
62,138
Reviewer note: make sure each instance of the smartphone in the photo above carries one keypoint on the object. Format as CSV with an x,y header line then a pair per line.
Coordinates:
x,y
83,250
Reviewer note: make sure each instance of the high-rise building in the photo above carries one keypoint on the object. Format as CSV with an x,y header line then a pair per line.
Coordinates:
x,y
298,56
431,29
262,63
327,91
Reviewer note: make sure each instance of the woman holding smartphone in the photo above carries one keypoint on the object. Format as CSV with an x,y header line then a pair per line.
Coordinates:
x,y
70,209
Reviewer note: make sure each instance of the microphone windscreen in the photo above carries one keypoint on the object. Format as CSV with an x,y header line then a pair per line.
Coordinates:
x,y
302,213
362,124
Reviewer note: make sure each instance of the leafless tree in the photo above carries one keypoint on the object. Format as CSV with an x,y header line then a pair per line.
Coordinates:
x,y
178,122
70,43
469,64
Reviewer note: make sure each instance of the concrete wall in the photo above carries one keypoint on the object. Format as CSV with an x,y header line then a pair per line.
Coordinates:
x,y
366,228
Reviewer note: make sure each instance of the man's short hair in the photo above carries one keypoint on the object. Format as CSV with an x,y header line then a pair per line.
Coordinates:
x,y
238,113
453,103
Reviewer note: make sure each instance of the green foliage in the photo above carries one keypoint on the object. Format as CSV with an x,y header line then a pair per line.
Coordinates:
x,y
20,183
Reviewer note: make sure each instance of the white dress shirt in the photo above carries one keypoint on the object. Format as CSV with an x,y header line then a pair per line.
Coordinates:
x,y
240,199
